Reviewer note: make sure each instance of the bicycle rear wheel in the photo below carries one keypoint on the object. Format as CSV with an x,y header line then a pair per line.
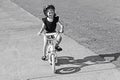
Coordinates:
x,y
53,63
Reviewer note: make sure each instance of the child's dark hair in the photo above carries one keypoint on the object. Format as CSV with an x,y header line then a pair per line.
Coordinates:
x,y
48,7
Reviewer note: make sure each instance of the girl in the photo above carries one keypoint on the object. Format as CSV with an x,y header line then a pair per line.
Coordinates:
x,y
49,25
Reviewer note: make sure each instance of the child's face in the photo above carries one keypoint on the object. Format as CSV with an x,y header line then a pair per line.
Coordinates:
x,y
50,13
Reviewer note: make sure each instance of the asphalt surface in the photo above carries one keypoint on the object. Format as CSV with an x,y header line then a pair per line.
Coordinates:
x,y
21,50
92,23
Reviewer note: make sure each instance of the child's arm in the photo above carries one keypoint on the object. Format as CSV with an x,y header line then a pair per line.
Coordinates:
x,y
61,27
42,29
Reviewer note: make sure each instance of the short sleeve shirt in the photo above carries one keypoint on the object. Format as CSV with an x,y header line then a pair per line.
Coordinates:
x,y
50,26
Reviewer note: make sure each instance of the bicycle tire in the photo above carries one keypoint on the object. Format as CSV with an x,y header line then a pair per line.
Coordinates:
x,y
53,63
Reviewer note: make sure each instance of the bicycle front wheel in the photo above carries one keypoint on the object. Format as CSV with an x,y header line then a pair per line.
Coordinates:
x,y
53,63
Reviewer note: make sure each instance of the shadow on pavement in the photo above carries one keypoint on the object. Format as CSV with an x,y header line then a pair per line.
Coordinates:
x,y
87,61
114,55
67,70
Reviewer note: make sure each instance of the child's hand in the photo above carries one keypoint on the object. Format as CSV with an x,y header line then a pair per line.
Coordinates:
x,y
61,31
39,33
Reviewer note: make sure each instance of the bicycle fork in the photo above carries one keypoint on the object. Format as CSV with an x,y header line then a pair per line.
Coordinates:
x,y
52,52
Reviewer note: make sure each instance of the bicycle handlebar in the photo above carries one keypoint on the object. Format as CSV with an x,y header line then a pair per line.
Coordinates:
x,y
50,34
53,33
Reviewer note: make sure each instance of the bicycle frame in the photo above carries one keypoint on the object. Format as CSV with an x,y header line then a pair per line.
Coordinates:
x,y
51,51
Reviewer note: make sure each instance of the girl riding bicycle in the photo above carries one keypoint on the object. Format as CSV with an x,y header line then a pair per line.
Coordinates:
x,y
49,26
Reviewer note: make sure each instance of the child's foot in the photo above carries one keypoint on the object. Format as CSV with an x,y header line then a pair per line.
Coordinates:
x,y
58,48
44,58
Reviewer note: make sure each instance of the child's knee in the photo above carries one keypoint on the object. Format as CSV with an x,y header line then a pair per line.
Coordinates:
x,y
45,43
59,38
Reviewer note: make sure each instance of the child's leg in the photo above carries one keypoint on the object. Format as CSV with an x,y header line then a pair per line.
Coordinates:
x,y
45,45
59,39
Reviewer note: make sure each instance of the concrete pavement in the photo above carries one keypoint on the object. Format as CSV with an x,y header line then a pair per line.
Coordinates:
x,y
21,49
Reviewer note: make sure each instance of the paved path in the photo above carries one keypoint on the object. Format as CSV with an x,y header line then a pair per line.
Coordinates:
x,y
21,49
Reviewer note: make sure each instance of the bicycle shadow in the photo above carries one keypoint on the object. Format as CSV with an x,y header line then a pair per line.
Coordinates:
x,y
86,61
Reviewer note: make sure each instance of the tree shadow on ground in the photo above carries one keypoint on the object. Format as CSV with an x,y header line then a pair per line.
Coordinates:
x,y
86,61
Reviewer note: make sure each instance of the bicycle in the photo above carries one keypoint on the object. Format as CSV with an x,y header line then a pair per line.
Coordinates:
x,y
51,51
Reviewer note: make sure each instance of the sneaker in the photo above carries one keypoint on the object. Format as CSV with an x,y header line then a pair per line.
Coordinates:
x,y
44,58
58,48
